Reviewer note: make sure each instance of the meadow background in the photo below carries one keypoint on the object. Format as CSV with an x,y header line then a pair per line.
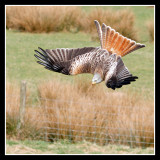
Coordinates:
x,y
28,28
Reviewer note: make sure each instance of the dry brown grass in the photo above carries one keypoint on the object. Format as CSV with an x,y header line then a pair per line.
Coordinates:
x,y
32,123
122,21
150,26
80,111
70,18
42,18
12,108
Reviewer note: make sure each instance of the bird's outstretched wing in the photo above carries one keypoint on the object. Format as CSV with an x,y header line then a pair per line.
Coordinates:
x,y
114,42
121,77
66,61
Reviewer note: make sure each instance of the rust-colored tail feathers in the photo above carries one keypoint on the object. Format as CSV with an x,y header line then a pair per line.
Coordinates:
x,y
115,42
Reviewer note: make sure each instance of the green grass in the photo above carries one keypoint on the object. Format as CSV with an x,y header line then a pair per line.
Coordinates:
x,y
21,63
66,147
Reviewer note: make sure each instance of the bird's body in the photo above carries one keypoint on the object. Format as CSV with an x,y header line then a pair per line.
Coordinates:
x,y
103,62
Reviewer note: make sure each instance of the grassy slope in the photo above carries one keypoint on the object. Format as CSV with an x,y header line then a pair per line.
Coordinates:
x,y
21,64
66,147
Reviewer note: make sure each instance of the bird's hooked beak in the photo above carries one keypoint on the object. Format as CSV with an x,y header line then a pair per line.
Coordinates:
x,y
93,83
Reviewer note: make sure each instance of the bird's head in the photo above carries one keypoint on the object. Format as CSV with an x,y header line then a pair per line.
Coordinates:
x,y
97,78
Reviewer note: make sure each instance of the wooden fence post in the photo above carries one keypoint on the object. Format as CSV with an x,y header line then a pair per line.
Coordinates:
x,y
22,104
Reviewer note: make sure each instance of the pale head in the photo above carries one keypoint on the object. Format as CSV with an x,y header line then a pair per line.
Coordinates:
x,y
97,78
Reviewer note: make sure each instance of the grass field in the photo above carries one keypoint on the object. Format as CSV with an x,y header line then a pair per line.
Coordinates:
x,y
21,65
20,62
66,147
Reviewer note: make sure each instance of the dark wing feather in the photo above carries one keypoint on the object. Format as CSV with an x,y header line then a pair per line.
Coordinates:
x,y
60,60
66,54
122,76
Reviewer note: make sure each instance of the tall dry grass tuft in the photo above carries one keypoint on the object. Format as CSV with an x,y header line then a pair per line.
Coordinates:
x,y
82,111
43,18
78,111
32,123
122,21
69,18
12,108
150,27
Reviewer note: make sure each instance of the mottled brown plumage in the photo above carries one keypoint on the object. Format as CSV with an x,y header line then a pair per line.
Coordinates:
x,y
103,62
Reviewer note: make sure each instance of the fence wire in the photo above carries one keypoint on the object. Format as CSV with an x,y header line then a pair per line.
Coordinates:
x,y
55,119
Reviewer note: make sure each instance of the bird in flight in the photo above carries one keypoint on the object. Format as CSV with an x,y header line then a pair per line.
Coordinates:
x,y
104,62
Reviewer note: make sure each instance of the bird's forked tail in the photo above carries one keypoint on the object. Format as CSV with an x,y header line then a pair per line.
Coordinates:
x,y
115,42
